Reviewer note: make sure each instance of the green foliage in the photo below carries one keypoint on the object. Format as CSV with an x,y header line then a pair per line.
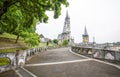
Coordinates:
x,y
19,17
32,39
7,35
65,42
11,50
44,44
55,41
4,61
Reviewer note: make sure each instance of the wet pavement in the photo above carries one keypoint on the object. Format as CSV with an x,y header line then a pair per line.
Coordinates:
x,y
81,68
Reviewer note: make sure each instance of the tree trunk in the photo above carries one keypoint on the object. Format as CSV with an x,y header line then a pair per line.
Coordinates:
x,y
17,39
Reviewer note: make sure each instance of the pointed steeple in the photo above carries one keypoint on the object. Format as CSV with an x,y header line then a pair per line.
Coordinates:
x,y
67,15
66,27
85,31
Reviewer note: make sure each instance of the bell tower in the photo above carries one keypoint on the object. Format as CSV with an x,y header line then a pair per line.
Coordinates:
x,y
85,36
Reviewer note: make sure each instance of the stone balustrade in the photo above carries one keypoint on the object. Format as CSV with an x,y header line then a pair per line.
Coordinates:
x,y
97,53
20,57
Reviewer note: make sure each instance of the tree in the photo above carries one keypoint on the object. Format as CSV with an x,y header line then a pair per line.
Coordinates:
x,y
32,39
55,41
65,42
18,16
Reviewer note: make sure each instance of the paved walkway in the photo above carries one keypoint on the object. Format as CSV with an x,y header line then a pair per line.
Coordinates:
x,y
10,73
24,73
62,63
54,55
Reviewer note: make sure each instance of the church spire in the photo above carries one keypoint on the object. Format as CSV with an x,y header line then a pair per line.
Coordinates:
x,y
85,36
67,15
66,27
85,31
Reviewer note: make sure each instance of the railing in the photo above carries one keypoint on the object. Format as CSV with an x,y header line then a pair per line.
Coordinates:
x,y
97,53
22,56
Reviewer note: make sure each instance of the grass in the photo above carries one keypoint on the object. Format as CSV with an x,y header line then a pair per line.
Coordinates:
x,y
7,43
4,61
10,36
11,50
44,44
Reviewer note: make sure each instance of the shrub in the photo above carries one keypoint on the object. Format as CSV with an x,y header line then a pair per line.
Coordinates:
x,y
65,42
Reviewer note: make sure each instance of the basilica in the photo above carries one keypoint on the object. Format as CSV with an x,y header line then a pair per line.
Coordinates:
x,y
66,34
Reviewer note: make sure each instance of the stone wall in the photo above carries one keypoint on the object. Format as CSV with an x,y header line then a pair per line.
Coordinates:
x,y
97,53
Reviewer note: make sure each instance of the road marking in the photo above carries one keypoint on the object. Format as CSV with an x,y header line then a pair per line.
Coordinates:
x,y
54,63
18,73
111,64
29,72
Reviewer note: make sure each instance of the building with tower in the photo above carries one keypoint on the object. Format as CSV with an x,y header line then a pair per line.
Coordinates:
x,y
85,36
66,34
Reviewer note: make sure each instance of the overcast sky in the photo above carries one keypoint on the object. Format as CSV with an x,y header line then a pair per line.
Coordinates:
x,y
101,17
